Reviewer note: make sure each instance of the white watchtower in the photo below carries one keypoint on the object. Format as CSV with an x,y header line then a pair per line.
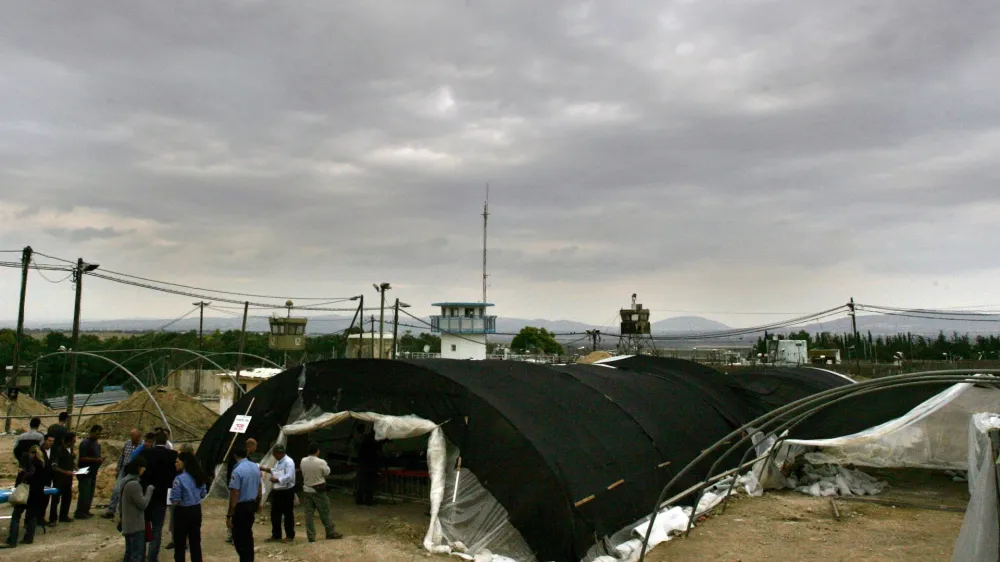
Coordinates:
x,y
463,327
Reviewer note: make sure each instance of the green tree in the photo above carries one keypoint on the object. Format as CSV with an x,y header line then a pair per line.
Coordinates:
x,y
536,340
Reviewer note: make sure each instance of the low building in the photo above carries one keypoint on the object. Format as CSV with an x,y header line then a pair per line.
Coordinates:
x,y
248,379
824,356
369,345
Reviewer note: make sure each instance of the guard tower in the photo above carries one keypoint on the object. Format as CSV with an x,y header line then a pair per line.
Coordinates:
x,y
463,327
634,328
287,334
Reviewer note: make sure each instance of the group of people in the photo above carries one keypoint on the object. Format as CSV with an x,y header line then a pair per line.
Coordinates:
x,y
246,492
48,460
157,485
152,481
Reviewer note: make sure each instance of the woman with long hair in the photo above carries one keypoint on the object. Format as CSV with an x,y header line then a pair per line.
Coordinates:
x,y
132,507
32,472
188,490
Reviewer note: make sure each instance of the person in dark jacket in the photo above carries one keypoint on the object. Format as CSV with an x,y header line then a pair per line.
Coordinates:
x,y
33,472
48,449
160,472
28,439
368,455
63,465
91,459
131,506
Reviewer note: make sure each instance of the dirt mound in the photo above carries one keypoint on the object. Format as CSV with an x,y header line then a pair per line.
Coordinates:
x,y
25,406
187,417
593,357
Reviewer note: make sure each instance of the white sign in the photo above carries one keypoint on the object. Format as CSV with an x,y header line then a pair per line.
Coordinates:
x,y
240,424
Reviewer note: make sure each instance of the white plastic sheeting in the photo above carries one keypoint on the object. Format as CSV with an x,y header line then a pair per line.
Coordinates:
x,y
979,539
472,521
625,545
923,438
466,520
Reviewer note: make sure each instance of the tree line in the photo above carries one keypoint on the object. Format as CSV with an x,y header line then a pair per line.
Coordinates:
x,y
905,346
52,372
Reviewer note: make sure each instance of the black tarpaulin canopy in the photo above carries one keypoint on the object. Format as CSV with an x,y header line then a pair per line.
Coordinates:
x,y
571,452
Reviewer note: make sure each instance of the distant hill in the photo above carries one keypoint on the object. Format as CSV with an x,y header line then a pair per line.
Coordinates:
x,y
333,324
687,324
880,324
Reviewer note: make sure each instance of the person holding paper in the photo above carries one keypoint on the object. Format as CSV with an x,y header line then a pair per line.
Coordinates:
x,y
282,495
91,459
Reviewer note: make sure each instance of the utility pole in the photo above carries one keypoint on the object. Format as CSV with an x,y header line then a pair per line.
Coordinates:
x,y
395,328
373,336
486,218
395,325
81,268
201,343
239,358
381,288
12,382
857,340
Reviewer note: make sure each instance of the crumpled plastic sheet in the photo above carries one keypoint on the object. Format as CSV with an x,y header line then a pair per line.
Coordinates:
x,y
626,545
827,480
922,438
979,538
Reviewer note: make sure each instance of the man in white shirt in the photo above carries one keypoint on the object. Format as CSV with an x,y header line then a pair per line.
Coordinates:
x,y
314,473
282,495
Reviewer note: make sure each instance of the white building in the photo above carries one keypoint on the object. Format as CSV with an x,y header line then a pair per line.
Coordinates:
x,y
463,327
369,345
249,379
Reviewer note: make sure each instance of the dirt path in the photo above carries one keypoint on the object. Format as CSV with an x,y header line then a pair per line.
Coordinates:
x,y
791,526
390,533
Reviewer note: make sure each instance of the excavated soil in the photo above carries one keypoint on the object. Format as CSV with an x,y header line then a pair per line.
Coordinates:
x,y
593,357
24,406
188,418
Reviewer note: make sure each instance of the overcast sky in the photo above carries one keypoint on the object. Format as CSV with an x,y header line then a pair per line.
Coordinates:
x,y
716,157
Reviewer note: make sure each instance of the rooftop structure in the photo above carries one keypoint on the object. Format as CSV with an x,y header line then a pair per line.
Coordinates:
x,y
463,327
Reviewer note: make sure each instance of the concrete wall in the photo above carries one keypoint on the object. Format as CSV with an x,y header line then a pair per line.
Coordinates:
x,y
463,347
228,394
184,380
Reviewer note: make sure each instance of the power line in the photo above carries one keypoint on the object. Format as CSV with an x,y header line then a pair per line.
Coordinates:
x,y
43,276
176,320
220,291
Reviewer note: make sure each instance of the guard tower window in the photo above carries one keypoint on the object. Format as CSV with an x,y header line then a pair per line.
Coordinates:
x,y
454,347
470,312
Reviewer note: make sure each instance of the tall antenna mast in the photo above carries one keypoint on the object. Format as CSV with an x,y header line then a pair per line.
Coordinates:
x,y
486,217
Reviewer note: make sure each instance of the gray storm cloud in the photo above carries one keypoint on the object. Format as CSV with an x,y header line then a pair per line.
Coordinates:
x,y
673,147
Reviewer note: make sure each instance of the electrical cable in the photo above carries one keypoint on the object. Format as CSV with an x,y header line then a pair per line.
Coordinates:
x,y
172,322
43,276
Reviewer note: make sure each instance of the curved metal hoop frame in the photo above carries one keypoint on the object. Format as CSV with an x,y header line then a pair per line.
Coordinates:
x,y
117,366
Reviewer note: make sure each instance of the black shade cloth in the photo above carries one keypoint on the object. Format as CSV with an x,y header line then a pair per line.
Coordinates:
x,y
571,452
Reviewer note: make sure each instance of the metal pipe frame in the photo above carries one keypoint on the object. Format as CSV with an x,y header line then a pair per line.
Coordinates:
x,y
144,352
791,424
119,366
803,404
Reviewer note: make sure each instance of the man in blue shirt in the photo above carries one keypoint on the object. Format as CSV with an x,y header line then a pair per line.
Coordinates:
x,y
244,501
282,495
